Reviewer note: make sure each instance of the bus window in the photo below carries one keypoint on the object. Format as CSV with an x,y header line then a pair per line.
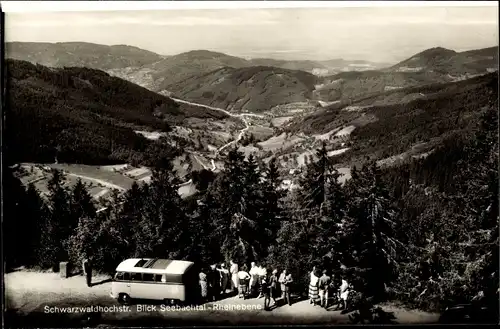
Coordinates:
x,y
119,276
136,276
158,277
140,263
126,276
147,277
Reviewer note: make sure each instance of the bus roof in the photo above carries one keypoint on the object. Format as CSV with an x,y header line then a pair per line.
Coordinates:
x,y
154,265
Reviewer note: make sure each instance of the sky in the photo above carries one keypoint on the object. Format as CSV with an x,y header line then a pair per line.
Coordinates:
x,y
382,34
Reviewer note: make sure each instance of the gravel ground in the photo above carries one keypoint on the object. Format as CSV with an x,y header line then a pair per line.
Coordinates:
x,y
35,299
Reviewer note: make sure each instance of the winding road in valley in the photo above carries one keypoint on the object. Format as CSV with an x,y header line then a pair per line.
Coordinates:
x,y
241,116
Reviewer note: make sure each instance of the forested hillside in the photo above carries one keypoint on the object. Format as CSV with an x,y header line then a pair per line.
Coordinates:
x,y
347,86
451,62
251,89
84,115
82,54
174,69
418,116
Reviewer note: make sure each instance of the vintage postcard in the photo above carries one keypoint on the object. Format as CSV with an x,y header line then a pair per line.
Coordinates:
x,y
250,163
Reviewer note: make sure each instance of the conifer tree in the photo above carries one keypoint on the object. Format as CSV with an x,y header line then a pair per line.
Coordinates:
x,y
34,219
84,224
204,246
111,244
163,223
272,197
131,216
316,180
59,226
20,214
240,224
368,231
81,204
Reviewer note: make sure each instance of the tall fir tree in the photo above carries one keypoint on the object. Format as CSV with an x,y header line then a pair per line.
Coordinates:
x,y
84,224
368,233
273,195
131,216
59,224
205,246
81,204
34,223
163,226
23,213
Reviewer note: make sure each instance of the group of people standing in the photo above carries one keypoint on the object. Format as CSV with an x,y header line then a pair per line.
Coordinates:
x,y
260,282
257,281
323,287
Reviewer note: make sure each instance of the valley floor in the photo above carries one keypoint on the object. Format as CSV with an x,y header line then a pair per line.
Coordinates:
x,y
31,297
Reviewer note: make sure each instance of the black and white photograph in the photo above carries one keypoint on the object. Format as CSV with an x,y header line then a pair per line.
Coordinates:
x,y
233,163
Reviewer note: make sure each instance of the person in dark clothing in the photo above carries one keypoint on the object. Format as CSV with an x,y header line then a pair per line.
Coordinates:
x,y
244,279
225,279
324,287
266,291
214,283
87,270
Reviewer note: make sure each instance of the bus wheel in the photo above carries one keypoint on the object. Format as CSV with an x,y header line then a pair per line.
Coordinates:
x,y
124,299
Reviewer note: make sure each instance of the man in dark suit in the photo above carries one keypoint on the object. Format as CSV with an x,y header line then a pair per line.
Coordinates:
x,y
87,270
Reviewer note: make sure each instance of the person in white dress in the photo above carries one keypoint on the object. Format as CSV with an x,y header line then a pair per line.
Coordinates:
x,y
313,287
234,276
254,278
344,293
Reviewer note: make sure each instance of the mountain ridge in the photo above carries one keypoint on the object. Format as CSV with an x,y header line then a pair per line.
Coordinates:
x,y
89,54
451,61
248,89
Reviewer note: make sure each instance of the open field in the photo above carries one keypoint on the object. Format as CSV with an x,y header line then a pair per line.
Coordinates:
x,y
280,121
100,181
260,132
277,142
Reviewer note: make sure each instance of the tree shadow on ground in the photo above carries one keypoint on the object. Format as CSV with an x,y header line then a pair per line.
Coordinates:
x,y
374,315
101,282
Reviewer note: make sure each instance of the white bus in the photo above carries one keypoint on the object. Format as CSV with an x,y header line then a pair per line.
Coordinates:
x,y
156,279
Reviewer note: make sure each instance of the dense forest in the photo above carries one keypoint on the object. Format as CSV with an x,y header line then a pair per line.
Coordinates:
x,y
252,89
82,115
424,233
394,100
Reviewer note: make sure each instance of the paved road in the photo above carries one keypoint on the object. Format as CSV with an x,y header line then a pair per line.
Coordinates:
x,y
241,116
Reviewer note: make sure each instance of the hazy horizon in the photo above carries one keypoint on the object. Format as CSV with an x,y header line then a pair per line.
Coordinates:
x,y
382,34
